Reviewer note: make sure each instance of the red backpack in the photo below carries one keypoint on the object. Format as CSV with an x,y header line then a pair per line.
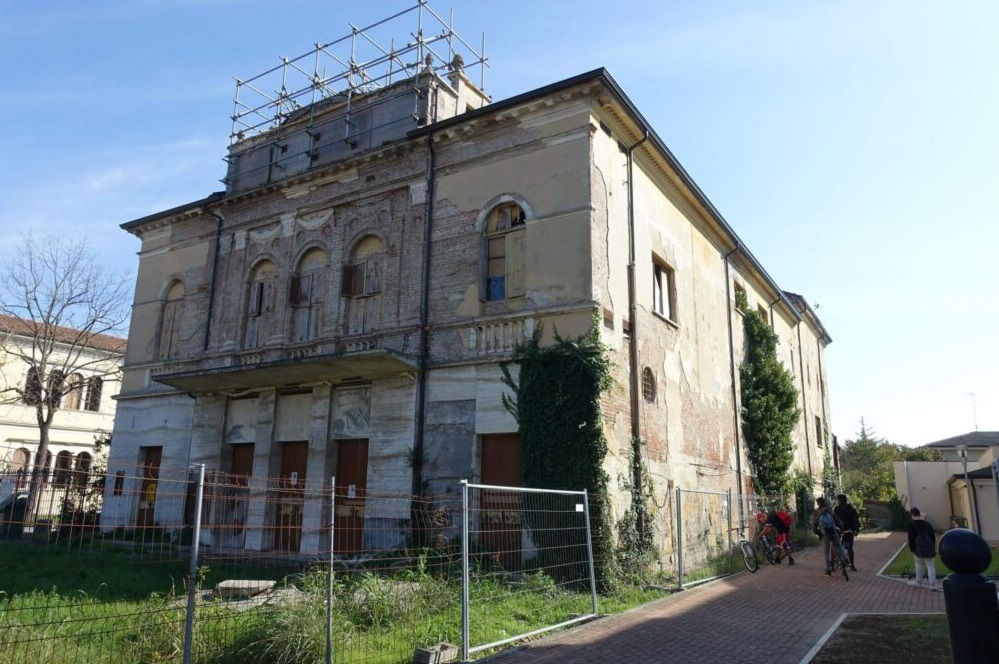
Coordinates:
x,y
786,518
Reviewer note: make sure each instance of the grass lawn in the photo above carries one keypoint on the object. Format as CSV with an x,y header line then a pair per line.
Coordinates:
x,y
113,605
881,639
904,561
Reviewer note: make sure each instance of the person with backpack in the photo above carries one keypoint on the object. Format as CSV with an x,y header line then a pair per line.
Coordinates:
x,y
923,544
827,525
779,521
847,513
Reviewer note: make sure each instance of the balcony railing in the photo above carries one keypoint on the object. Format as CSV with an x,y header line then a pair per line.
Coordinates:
x,y
499,336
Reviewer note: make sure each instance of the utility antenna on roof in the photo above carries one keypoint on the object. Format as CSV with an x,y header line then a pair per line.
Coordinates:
x,y
974,407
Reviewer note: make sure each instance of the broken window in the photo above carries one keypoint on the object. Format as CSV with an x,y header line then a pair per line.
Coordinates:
x,y
663,290
305,296
361,284
505,252
170,321
260,305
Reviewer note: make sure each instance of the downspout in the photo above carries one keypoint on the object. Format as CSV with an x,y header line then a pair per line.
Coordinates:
x,y
421,392
215,268
735,395
822,397
636,428
804,401
974,504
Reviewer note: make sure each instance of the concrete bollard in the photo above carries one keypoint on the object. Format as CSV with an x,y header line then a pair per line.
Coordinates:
x,y
972,606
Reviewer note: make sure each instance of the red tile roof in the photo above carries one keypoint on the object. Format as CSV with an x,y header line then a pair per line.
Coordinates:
x,y
105,342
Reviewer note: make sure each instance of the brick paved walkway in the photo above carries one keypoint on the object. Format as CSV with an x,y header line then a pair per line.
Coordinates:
x,y
774,616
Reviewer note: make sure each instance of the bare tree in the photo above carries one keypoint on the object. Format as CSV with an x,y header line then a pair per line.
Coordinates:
x,y
60,310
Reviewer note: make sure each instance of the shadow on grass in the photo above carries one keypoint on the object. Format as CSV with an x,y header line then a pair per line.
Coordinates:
x,y
884,639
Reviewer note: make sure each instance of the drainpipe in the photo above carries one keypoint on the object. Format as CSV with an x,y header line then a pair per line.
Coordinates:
x,y
215,268
636,428
804,401
421,392
822,397
735,395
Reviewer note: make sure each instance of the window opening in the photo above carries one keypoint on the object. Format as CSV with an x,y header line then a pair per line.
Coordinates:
x,y
173,312
94,387
361,283
505,251
260,306
648,385
663,291
305,296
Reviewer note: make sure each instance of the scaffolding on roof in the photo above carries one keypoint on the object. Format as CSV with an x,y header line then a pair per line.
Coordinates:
x,y
354,64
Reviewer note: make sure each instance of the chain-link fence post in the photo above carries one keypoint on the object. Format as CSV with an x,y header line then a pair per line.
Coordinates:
x,y
192,572
679,537
464,571
329,575
589,549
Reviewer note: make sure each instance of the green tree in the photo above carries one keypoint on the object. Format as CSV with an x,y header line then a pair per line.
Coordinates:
x,y
769,405
867,464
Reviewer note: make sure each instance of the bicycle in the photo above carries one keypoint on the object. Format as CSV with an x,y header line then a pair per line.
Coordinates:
x,y
838,559
769,552
748,552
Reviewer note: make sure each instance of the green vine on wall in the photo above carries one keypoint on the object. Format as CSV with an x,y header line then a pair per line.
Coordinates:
x,y
636,551
769,404
556,402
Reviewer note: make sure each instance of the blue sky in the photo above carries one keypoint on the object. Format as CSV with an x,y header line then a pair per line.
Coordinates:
x,y
854,146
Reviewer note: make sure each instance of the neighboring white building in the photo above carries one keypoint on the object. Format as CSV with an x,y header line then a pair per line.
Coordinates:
x,y
942,491
85,410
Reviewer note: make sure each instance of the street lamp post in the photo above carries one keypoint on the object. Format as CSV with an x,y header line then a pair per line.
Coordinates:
x,y
962,451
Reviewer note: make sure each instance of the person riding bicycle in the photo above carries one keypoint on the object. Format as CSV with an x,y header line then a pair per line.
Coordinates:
x,y
847,513
827,526
779,522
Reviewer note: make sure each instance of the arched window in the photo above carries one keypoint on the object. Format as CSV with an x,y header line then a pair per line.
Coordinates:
x,y
84,462
63,468
95,385
362,285
32,394
170,321
54,387
74,392
305,295
505,251
260,305
20,467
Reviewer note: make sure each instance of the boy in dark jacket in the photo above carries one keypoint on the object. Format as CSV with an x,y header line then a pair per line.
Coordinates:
x,y
827,525
923,544
847,513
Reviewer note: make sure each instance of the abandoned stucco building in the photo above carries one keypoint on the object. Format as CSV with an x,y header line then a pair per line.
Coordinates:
x,y
342,306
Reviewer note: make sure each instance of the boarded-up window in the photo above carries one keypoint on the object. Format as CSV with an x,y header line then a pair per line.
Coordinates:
x,y
170,321
305,296
260,305
361,283
505,252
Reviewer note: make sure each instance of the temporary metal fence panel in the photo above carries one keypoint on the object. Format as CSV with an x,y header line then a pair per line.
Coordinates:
x,y
150,563
523,545
704,534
